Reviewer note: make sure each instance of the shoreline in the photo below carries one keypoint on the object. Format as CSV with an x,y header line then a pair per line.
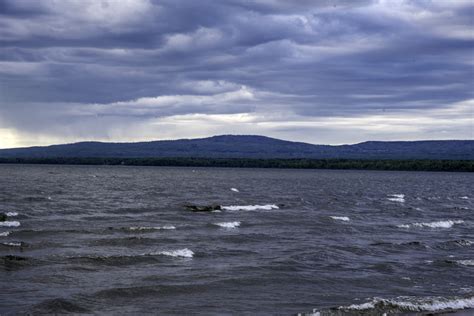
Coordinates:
x,y
294,163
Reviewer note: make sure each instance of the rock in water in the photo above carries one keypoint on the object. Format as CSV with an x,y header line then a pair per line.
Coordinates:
x,y
203,208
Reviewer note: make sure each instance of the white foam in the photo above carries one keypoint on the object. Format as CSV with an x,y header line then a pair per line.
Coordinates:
x,y
12,244
340,218
469,263
152,228
12,214
438,224
10,224
358,307
234,189
184,253
397,198
415,304
403,226
228,224
266,207
401,196
464,197
4,234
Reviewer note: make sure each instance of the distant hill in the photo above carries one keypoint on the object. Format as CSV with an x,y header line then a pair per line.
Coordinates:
x,y
249,146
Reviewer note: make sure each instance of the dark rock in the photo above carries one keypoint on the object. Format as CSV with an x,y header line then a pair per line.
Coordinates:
x,y
202,208
15,263
14,258
3,217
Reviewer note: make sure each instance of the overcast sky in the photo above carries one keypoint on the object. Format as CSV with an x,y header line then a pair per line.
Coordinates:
x,y
325,72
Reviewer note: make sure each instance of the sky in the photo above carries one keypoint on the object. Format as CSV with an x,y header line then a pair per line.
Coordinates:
x,y
323,72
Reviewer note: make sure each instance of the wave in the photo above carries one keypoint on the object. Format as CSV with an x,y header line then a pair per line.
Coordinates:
x,y
469,263
234,190
12,244
464,198
57,306
397,198
452,244
152,227
402,304
402,244
438,224
183,253
35,233
266,207
10,224
414,304
111,260
127,242
13,263
130,259
463,242
228,224
340,218
4,234
11,214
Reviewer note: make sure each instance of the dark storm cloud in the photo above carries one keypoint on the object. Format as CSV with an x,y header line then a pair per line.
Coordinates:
x,y
74,63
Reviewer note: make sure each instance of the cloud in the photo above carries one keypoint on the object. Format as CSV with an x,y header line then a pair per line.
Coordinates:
x,y
320,71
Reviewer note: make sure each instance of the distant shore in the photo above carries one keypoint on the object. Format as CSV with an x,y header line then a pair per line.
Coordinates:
x,y
354,164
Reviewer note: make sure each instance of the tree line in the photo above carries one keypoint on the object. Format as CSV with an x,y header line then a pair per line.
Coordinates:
x,y
370,164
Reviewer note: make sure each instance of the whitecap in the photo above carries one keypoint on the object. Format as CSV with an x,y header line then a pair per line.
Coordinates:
x,y
12,244
4,234
234,189
397,198
228,224
401,196
414,304
266,207
341,218
12,214
10,224
464,198
183,253
403,226
438,224
152,227
469,263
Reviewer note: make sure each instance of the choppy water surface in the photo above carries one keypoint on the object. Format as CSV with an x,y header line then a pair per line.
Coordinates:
x,y
96,239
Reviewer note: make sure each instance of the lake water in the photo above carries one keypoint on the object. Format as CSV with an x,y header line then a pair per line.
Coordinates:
x,y
118,240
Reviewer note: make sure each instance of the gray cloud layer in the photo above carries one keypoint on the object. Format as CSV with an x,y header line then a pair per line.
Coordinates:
x,y
320,71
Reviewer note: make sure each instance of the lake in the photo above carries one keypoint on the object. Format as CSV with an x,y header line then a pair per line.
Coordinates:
x,y
116,239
